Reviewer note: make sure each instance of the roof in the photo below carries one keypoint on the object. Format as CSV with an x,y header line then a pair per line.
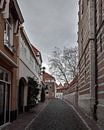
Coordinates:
x,y
35,49
37,52
48,76
18,11
60,86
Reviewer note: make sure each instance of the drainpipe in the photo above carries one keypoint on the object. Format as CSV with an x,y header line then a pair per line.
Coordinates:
x,y
96,68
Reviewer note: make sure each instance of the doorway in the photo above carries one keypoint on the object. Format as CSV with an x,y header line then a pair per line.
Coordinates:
x,y
22,84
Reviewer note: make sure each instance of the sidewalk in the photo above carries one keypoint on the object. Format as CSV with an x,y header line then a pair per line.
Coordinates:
x,y
24,119
90,123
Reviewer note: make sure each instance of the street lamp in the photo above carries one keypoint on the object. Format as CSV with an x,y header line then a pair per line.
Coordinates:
x,y
43,71
43,87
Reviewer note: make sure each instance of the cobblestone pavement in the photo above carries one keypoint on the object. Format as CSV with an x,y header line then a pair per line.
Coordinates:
x,y
57,116
89,121
24,119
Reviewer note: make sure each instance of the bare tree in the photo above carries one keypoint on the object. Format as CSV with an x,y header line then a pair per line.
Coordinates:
x,y
63,63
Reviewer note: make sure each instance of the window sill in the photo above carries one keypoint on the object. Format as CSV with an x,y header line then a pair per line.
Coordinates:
x,y
10,48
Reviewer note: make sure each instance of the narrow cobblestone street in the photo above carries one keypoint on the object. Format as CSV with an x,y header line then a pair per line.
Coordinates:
x,y
57,116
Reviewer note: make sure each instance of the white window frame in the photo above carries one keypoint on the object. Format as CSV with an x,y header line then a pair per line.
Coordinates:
x,y
6,84
8,33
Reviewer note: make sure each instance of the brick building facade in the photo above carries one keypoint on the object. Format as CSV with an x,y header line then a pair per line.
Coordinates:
x,y
87,90
99,41
86,75
71,93
91,58
10,20
50,83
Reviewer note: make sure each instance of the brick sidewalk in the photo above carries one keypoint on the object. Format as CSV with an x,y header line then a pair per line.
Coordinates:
x,y
24,119
89,122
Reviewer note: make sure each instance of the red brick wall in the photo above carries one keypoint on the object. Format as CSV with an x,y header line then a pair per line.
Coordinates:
x,y
71,93
13,57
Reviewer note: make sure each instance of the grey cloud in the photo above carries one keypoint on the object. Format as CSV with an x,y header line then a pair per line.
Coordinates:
x,y
50,23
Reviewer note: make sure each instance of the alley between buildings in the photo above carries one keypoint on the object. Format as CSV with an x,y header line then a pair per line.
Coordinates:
x,y
57,116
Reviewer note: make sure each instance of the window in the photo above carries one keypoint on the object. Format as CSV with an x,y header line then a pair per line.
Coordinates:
x,y
1,74
8,32
2,100
5,84
6,77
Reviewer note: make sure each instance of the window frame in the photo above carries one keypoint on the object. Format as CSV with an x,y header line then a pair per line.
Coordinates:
x,y
8,32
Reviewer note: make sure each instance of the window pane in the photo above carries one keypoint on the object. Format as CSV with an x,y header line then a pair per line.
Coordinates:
x,y
7,102
2,102
1,74
6,76
8,33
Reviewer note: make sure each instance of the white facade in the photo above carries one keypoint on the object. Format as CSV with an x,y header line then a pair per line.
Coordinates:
x,y
27,57
28,67
59,95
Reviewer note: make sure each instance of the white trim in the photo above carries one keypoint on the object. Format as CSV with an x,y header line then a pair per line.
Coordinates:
x,y
8,33
5,82
5,103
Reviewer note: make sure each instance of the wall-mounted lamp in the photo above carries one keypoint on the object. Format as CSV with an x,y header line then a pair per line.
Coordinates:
x,y
43,70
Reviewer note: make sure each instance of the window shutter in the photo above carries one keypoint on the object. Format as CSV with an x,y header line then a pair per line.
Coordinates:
x,y
16,28
5,34
6,10
11,35
2,4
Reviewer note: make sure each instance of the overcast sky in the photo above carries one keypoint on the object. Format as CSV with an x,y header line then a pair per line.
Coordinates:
x,y
50,23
